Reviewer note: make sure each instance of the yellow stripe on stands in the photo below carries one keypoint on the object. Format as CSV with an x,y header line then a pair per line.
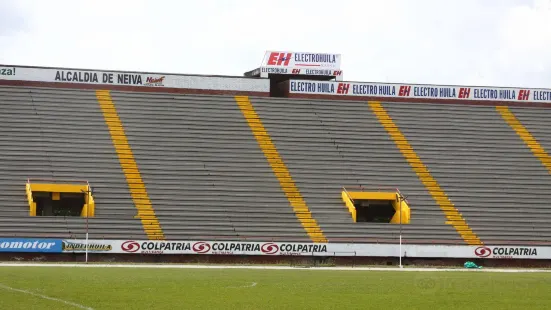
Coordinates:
x,y
453,216
129,166
525,135
280,170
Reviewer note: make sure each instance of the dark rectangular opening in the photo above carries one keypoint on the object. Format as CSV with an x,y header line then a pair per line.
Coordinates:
x,y
374,211
68,204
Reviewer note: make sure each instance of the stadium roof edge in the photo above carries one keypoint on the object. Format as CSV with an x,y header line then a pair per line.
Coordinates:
x,y
282,85
242,76
129,71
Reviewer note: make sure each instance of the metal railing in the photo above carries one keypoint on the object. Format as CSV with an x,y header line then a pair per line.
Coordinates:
x,y
56,181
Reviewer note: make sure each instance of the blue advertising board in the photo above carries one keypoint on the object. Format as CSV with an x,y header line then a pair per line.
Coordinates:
x,y
30,245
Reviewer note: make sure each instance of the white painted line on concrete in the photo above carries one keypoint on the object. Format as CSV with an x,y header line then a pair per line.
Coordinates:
x,y
9,288
179,266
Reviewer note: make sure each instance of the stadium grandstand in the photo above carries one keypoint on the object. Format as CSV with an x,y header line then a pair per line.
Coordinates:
x,y
284,156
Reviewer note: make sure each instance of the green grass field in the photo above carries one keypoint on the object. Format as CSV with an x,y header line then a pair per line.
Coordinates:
x,y
140,288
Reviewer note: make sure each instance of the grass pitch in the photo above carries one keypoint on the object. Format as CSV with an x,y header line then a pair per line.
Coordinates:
x,y
141,288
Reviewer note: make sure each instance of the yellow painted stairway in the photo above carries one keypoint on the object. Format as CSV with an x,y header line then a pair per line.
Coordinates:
x,y
280,170
453,216
526,136
129,166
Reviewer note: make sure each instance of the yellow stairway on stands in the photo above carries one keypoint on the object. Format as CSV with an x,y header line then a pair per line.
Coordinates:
x,y
280,170
526,136
146,214
453,216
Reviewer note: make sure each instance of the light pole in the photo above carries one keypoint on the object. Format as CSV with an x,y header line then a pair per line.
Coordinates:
x,y
400,203
87,200
87,215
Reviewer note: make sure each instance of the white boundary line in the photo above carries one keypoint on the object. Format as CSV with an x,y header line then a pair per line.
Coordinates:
x,y
253,284
8,288
178,266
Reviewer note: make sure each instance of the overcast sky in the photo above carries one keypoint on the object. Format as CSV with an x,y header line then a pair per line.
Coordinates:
x,y
472,42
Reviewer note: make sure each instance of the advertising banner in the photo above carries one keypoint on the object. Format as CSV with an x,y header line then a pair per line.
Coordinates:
x,y
80,76
94,246
301,60
30,245
297,63
303,249
439,92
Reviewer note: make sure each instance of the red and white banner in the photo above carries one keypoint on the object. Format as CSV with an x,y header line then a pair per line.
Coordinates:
x,y
440,92
304,249
296,63
301,60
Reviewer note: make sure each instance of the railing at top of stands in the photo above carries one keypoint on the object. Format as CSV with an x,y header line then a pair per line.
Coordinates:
x,y
375,188
29,180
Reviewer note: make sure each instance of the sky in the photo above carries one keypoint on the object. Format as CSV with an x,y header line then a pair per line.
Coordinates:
x,y
455,42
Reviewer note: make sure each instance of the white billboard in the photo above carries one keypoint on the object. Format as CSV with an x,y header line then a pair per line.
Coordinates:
x,y
305,249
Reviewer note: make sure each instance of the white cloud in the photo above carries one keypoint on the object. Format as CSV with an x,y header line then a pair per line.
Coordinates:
x,y
502,42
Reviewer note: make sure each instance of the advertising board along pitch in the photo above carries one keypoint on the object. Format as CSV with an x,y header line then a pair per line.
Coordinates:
x,y
307,249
